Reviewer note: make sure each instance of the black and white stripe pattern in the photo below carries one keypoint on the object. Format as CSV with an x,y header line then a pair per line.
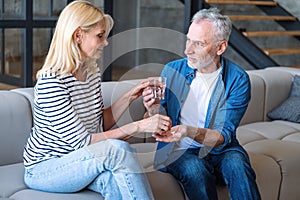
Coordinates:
x,y
66,113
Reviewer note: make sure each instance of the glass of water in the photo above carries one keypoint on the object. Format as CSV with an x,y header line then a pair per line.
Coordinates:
x,y
158,86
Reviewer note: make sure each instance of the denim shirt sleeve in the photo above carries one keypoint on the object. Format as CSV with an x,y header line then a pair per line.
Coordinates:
x,y
228,105
179,78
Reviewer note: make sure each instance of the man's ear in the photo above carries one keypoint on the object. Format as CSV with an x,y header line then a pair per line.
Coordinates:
x,y
222,47
77,36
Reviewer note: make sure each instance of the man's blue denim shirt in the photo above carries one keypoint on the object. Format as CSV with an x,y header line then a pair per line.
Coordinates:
x,y
226,108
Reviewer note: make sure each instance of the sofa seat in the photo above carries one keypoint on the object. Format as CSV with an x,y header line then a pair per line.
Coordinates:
x,y
279,141
163,185
272,130
11,179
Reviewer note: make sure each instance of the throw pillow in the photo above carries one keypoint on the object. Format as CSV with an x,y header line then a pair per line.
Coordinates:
x,y
290,109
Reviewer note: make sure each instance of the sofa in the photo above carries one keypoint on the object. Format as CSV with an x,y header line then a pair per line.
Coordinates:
x,y
273,145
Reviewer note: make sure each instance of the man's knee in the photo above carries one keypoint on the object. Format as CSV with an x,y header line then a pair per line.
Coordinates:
x,y
236,165
190,169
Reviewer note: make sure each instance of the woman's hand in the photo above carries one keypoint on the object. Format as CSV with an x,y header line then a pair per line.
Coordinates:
x,y
138,89
148,99
155,124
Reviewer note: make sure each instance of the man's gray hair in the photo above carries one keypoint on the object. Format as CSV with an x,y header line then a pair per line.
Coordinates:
x,y
222,23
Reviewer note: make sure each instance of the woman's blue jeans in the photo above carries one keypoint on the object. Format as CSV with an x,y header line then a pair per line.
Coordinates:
x,y
199,176
109,167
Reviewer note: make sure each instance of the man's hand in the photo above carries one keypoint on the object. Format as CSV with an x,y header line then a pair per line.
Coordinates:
x,y
175,134
148,99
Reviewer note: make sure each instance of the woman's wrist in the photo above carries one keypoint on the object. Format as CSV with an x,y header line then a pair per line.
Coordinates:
x,y
136,127
128,97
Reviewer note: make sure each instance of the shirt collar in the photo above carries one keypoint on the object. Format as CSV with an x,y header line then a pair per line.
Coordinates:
x,y
191,72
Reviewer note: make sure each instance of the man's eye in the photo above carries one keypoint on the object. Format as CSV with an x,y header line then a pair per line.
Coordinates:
x,y
198,44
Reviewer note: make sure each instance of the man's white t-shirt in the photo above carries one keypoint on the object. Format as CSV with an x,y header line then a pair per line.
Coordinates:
x,y
194,109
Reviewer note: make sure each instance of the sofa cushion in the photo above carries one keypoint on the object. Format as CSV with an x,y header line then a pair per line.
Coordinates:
x,y
276,89
11,179
29,194
289,109
286,156
274,130
268,176
164,186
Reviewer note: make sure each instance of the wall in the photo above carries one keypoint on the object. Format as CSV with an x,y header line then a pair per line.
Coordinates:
x,y
293,6
170,14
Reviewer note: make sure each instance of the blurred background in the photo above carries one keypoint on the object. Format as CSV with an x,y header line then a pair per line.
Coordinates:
x,y
259,40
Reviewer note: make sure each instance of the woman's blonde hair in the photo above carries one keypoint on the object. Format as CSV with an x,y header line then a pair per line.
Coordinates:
x,y
64,54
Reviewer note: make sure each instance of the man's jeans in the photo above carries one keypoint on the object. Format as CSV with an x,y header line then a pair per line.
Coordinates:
x,y
199,176
109,167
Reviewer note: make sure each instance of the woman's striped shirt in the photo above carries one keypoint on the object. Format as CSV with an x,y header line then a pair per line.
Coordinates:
x,y
66,113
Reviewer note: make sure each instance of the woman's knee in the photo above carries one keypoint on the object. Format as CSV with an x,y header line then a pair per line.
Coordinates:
x,y
112,145
111,148
119,144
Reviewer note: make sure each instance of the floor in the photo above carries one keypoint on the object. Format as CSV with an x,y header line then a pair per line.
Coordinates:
x,y
4,86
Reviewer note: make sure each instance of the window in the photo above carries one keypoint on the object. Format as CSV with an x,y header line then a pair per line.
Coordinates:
x,y
26,29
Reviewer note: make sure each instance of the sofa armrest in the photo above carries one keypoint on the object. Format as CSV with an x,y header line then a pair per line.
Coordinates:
x,y
15,123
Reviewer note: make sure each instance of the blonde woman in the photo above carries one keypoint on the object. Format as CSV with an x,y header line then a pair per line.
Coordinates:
x,y
71,146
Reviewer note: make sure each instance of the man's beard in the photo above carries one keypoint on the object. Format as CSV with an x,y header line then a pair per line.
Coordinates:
x,y
202,65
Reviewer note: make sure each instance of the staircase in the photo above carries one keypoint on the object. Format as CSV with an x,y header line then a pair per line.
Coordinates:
x,y
264,33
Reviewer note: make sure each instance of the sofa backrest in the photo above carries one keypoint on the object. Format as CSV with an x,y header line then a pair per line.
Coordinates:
x,y
254,112
111,91
277,88
269,88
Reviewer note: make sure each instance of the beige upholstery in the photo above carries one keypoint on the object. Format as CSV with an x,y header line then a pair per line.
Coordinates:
x,y
273,146
278,174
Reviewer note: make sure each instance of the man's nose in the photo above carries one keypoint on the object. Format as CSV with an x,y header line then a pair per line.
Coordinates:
x,y
189,48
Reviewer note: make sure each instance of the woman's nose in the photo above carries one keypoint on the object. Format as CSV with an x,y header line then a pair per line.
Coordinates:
x,y
105,42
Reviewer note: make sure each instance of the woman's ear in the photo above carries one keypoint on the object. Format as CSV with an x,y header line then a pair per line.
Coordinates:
x,y
222,47
77,36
